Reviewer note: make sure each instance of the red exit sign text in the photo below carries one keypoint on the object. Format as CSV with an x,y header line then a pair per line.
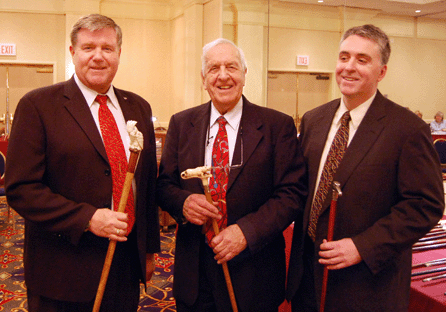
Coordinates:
x,y
303,60
7,49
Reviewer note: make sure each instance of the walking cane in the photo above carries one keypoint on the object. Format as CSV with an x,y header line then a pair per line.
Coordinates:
x,y
136,145
331,221
204,173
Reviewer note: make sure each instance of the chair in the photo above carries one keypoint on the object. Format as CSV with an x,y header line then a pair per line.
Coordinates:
x,y
3,148
440,146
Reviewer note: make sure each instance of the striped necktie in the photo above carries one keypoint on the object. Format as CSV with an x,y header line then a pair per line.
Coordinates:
x,y
334,158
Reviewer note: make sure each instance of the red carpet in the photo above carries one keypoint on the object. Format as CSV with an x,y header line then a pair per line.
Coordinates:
x,y
157,298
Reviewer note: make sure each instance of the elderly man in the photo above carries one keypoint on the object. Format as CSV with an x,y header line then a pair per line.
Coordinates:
x,y
66,164
389,173
258,185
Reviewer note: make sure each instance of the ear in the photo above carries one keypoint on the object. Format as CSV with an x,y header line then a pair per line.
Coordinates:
x,y
203,80
383,72
71,51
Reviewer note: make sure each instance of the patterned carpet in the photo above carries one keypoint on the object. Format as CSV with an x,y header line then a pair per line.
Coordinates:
x,y
157,298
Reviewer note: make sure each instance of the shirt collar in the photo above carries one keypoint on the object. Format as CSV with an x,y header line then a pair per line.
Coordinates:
x,y
357,114
232,117
90,95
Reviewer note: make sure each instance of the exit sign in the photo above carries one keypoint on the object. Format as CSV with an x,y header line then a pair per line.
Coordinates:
x,y
7,49
303,60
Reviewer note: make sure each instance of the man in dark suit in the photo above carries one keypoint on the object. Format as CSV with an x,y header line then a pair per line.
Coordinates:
x,y
59,178
265,191
391,183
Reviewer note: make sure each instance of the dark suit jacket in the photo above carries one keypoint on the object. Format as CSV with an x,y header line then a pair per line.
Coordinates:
x,y
57,175
392,195
263,197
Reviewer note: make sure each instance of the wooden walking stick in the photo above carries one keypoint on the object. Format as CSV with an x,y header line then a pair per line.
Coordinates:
x,y
136,145
204,173
331,221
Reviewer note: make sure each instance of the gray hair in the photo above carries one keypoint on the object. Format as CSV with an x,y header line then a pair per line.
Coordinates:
x,y
94,22
375,34
216,42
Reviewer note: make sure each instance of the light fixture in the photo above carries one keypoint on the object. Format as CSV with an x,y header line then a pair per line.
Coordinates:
x,y
417,11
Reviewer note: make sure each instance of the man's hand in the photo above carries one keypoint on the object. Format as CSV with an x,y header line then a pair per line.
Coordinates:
x,y
339,254
228,243
197,210
110,224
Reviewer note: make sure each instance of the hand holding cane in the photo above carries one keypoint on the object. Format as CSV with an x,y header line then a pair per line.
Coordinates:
x,y
204,173
331,221
136,145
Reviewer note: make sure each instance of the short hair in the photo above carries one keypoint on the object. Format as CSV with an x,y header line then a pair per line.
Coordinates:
x,y
375,34
216,42
94,22
439,114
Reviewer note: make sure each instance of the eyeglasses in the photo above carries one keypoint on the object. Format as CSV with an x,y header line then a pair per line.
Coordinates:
x,y
241,151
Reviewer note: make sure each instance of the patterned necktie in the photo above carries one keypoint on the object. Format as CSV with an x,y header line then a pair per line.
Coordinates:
x,y
116,156
218,183
334,157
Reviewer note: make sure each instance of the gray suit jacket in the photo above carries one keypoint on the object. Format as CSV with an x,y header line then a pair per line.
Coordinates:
x,y
392,195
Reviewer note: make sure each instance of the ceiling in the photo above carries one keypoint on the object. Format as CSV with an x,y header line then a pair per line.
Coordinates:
x,y
428,8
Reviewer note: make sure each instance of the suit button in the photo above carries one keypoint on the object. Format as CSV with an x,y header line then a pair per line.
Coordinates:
x,y
107,172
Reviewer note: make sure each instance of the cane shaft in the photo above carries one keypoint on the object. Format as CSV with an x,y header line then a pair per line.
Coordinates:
x,y
104,276
330,233
224,265
126,189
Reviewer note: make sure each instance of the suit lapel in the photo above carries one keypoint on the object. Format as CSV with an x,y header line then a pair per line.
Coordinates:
x,y
197,135
130,111
319,128
78,108
365,137
250,125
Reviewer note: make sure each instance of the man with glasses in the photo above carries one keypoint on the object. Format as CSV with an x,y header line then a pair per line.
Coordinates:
x,y
258,186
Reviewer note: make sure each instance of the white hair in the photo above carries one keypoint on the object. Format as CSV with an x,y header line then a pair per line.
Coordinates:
x,y
216,42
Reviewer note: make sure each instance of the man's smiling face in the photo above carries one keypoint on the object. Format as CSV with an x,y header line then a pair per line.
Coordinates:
x,y
224,76
359,69
96,58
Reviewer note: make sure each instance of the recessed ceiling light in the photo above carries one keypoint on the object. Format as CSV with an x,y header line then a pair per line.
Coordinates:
x,y
417,11
320,1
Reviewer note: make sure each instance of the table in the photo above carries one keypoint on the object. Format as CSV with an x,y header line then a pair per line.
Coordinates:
x,y
427,296
438,135
424,296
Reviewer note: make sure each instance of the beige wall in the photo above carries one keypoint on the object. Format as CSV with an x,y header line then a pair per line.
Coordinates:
x,y
415,76
162,45
161,49
145,66
39,38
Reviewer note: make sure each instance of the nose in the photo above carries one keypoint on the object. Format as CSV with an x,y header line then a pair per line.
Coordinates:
x,y
98,54
223,73
350,65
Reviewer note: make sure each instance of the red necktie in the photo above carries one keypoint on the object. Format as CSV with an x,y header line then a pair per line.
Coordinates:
x,y
218,183
116,156
334,158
